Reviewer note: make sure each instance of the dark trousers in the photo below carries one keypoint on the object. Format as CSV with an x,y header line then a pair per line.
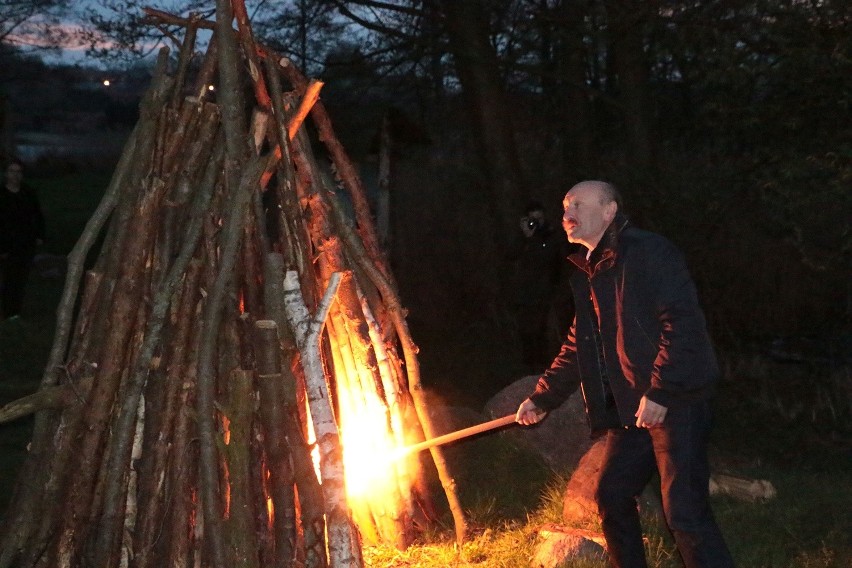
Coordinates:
x,y
14,270
678,450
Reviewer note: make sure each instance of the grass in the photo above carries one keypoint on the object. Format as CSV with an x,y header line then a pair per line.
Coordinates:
x,y
507,493
807,526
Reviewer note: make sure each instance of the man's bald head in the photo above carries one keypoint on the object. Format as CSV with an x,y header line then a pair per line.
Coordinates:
x,y
590,206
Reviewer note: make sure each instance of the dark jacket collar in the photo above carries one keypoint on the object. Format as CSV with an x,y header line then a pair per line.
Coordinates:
x,y
605,250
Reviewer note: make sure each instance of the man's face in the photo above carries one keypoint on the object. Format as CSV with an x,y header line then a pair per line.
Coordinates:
x,y
585,219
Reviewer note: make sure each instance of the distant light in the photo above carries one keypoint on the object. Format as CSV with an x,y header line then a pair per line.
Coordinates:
x,y
211,88
106,82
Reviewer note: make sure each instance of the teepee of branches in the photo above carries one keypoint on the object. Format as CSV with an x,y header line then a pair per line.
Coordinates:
x,y
227,378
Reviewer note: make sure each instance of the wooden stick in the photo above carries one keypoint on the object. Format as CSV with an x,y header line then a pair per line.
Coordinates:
x,y
346,170
409,350
246,38
309,99
457,435
272,408
240,532
343,549
744,489
59,396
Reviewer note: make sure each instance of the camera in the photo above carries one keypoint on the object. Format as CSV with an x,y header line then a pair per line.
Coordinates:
x,y
531,222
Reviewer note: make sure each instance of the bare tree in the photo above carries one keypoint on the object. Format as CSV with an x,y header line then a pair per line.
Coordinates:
x,y
32,23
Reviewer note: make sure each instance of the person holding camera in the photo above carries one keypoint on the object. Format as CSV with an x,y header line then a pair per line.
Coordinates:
x,y
21,232
536,268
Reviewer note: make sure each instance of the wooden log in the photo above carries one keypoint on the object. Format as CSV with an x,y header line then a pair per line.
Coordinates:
x,y
345,169
309,99
744,489
50,398
242,540
212,318
182,525
131,508
260,495
251,271
184,58
273,298
293,234
415,387
343,547
52,481
310,494
272,409
207,71
154,487
239,194
178,131
397,402
153,16
110,522
246,37
125,305
189,175
82,337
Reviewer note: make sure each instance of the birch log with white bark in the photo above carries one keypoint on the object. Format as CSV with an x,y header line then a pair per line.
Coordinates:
x,y
344,550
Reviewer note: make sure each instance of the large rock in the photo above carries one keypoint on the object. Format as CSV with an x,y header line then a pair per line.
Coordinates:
x,y
560,439
578,501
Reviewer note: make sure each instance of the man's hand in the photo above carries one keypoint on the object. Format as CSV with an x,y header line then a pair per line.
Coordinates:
x,y
529,414
650,413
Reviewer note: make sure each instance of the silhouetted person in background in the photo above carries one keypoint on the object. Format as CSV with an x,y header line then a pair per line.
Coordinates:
x,y
536,262
640,350
21,232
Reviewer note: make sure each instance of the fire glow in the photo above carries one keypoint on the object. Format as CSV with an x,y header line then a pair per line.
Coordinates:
x,y
378,482
367,449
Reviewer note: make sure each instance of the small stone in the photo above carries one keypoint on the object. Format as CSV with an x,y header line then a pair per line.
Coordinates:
x,y
558,547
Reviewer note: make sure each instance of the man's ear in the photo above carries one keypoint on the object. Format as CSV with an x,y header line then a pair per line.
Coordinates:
x,y
610,211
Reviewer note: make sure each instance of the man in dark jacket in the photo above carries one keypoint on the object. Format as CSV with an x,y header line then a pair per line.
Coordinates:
x,y
640,351
21,231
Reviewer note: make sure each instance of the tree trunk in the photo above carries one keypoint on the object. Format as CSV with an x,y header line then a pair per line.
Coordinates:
x,y
569,68
627,19
477,68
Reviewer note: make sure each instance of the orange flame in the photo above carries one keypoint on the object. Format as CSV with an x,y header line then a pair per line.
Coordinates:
x,y
367,449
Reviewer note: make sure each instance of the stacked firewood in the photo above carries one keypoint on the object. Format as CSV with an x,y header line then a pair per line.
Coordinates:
x,y
234,310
